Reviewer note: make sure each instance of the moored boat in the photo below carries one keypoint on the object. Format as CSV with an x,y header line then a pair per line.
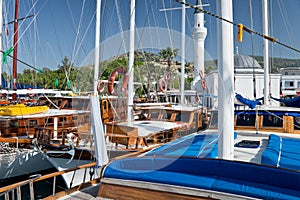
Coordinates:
x,y
256,163
21,109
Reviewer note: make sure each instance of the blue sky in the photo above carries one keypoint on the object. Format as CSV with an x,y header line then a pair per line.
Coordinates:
x,y
66,27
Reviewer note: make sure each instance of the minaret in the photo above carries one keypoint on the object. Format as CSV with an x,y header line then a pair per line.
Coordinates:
x,y
199,35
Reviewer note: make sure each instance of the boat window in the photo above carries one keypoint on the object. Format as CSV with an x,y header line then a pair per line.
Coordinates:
x,y
14,124
182,117
32,123
296,123
272,121
154,114
75,118
245,120
62,119
69,104
289,83
49,120
59,103
162,99
167,115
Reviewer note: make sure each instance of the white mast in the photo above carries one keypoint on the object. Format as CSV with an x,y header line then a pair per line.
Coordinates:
x,y
225,81
96,121
1,25
182,53
199,35
131,60
266,51
97,46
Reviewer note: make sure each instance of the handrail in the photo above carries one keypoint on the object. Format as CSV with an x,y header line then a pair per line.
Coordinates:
x,y
9,188
5,190
36,178
51,175
13,140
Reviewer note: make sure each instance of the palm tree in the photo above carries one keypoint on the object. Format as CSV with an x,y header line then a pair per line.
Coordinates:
x,y
168,54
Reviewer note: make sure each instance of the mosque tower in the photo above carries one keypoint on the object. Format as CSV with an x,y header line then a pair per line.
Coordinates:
x,y
199,34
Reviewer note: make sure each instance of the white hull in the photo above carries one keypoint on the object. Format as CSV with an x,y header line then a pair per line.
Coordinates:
x,y
76,177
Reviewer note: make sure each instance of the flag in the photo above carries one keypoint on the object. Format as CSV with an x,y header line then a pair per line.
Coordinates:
x,y
5,54
56,82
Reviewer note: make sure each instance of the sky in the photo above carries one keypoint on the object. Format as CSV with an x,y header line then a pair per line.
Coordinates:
x,y
62,28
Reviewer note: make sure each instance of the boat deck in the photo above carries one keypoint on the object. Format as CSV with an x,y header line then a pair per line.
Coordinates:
x,y
88,193
146,128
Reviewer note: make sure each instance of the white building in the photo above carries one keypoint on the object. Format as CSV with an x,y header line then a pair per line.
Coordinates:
x,y
246,71
290,81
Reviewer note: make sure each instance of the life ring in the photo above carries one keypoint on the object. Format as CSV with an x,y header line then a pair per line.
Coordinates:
x,y
203,84
31,95
112,78
101,86
163,85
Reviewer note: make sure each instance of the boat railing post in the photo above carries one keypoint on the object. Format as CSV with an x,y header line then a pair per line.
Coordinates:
x,y
13,194
19,196
54,185
6,196
31,190
17,142
55,128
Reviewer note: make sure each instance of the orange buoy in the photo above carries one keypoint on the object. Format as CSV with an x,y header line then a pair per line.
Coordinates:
x,y
112,78
203,84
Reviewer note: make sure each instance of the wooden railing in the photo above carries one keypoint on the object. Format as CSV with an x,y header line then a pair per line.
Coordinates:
x,y
10,189
7,190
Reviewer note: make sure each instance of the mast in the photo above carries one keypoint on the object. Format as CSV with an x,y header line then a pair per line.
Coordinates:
x,y
182,53
96,121
1,25
97,46
225,81
266,51
131,61
14,95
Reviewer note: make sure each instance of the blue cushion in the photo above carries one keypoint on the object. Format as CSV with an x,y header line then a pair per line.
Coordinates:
x,y
254,189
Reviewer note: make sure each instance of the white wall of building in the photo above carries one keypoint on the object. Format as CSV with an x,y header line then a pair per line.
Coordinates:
x,y
244,86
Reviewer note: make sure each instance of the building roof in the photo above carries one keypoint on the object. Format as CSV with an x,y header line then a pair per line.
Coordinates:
x,y
243,64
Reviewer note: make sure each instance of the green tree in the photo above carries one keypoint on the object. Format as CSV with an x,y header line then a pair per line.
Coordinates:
x,y
168,54
66,74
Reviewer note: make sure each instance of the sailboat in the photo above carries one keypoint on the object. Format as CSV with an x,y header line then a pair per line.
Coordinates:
x,y
215,164
26,130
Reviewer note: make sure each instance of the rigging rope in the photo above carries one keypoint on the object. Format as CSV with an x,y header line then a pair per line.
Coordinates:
x,y
28,65
252,46
168,26
249,30
120,25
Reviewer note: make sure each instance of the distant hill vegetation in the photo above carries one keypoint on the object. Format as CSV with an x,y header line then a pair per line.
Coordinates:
x,y
148,68
275,63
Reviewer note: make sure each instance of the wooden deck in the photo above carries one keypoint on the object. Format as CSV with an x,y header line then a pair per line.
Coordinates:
x,y
87,193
